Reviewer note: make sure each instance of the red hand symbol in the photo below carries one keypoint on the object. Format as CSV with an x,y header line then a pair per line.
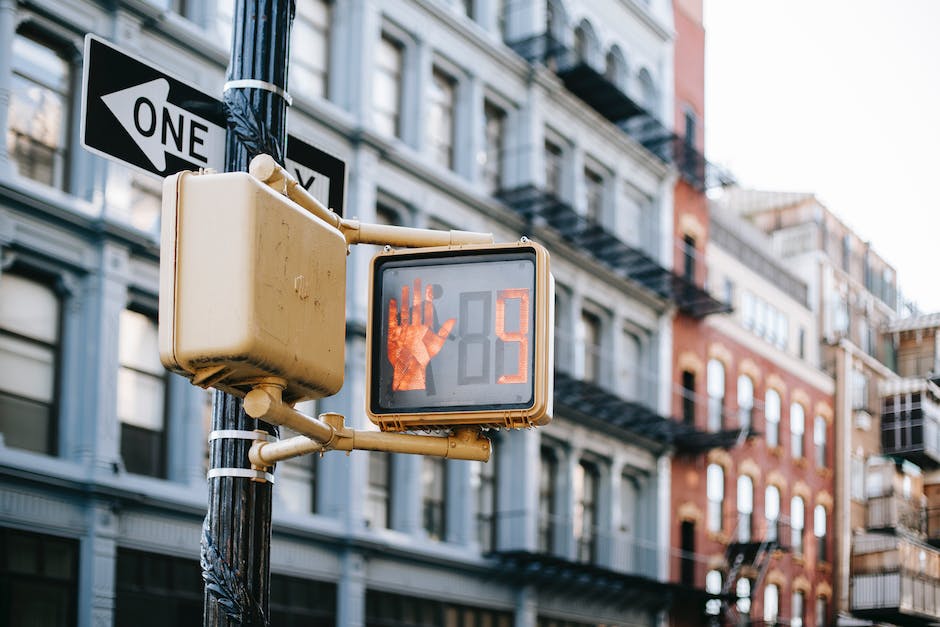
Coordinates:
x,y
412,344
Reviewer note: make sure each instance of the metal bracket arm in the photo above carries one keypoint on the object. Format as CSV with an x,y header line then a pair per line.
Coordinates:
x,y
268,171
330,433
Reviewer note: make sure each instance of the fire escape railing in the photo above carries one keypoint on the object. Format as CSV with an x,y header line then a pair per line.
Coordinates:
x,y
536,206
604,96
589,402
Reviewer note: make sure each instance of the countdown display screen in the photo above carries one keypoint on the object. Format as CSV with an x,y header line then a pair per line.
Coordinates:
x,y
453,332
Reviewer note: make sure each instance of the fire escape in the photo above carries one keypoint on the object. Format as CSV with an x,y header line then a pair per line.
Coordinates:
x,y
540,207
750,559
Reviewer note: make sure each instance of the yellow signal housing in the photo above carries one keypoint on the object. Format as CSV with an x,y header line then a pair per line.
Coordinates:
x,y
252,285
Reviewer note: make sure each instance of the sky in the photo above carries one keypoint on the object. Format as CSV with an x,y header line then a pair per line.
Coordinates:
x,y
840,98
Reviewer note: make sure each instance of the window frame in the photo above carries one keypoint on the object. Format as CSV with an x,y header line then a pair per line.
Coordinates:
x,y
51,281
715,497
797,430
772,418
397,41
492,171
434,498
444,81
299,62
146,306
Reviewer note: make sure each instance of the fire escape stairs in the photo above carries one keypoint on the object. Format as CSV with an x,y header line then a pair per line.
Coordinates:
x,y
755,554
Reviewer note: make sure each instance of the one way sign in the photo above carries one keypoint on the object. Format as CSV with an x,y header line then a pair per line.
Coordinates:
x,y
138,115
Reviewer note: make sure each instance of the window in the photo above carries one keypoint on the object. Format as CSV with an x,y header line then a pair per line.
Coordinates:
x,y
297,602
442,101
388,609
310,49
150,585
797,520
585,511
745,507
771,603
772,415
797,427
728,291
859,390
649,95
822,612
748,313
141,395
433,491
615,68
687,557
847,252
387,86
745,401
591,325
857,479
713,586
39,579
819,531
467,7
801,349
548,501
297,477
594,195
29,347
483,480
715,489
796,609
716,394
494,133
553,168
688,397
631,360
688,257
152,588
378,494
772,512
742,589
819,440
37,134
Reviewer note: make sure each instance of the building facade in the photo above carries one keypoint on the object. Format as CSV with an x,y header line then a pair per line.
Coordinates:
x,y
542,119
753,501
882,364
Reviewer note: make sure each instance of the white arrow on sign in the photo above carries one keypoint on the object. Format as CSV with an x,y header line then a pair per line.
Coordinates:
x,y
159,127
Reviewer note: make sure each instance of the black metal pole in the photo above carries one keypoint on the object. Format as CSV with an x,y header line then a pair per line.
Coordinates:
x,y
236,539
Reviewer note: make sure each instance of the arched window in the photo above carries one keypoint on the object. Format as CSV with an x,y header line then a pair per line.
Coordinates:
x,y
771,603
819,530
819,440
772,415
772,512
745,401
713,586
715,489
649,95
745,507
797,520
586,45
716,394
797,427
742,590
615,68
586,483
